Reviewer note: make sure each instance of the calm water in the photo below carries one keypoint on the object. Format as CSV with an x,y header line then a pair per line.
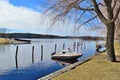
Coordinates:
x,y
28,70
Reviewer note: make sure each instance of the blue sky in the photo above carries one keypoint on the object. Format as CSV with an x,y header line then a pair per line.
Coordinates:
x,y
33,4
26,15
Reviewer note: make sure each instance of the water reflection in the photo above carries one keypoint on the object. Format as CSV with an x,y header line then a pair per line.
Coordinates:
x,y
38,61
16,57
64,62
2,49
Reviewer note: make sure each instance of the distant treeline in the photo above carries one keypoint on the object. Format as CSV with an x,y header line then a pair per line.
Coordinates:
x,y
30,35
26,35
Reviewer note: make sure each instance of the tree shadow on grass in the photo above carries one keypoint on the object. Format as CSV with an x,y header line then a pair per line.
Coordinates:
x,y
118,61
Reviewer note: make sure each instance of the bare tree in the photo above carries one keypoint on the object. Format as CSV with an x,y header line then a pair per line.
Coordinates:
x,y
117,22
77,9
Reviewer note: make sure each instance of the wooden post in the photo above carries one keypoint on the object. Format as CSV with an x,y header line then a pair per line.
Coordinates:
x,y
55,47
74,45
41,52
63,46
81,45
32,54
16,59
77,46
84,45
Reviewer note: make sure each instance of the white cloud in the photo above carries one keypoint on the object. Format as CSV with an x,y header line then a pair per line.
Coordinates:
x,y
26,19
18,17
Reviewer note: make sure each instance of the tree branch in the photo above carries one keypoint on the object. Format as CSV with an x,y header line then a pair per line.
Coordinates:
x,y
88,8
87,21
116,14
114,4
99,13
85,9
107,2
80,16
101,4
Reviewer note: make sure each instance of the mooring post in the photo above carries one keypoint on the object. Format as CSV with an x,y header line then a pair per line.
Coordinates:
x,y
84,45
63,46
74,45
55,47
16,60
77,46
41,52
32,54
81,45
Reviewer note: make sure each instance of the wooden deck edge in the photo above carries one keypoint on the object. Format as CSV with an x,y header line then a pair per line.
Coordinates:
x,y
72,66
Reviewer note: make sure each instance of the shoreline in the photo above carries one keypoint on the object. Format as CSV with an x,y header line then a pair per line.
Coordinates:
x,y
97,68
4,41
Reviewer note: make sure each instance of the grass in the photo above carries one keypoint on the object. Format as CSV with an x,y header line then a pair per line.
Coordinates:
x,y
117,48
10,41
4,41
97,68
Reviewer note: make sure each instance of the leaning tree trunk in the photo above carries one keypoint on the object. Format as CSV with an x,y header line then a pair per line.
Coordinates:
x,y
110,42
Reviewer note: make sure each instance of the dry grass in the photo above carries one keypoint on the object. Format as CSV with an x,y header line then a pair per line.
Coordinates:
x,y
96,69
117,48
4,41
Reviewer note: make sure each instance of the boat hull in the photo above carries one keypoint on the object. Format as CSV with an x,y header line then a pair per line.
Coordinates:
x,y
101,48
66,57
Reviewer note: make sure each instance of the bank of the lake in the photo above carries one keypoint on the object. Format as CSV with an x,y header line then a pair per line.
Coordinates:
x,y
4,41
97,68
12,41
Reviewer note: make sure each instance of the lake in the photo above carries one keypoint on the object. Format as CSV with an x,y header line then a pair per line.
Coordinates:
x,y
29,69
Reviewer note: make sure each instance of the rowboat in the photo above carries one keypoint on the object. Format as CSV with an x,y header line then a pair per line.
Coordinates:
x,y
101,48
66,54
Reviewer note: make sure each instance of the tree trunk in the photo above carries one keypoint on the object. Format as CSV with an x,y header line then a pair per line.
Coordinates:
x,y
110,42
